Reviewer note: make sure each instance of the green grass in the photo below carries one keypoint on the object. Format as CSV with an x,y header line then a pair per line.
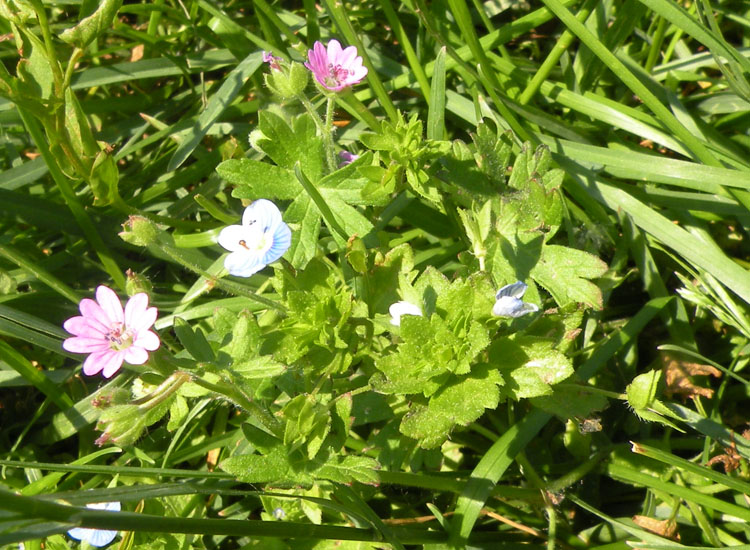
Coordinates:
x,y
596,151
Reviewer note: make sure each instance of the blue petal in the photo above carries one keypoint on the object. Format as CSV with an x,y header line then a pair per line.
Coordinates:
x,y
282,240
262,212
101,537
243,263
509,306
515,290
95,537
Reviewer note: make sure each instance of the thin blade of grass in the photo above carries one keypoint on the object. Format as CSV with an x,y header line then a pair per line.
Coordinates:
x,y
217,103
37,378
436,109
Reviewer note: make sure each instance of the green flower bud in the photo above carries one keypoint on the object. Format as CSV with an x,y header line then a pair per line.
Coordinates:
x,y
135,283
288,82
139,231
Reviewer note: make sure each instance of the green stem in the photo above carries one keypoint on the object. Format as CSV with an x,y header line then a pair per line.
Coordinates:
x,y
229,286
74,58
592,389
310,108
241,400
328,134
79,213
42,275
164,391
51,52
562,44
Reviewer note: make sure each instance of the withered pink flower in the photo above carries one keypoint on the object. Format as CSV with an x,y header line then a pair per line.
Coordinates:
x,y
273,60
346,158
111,335
335,68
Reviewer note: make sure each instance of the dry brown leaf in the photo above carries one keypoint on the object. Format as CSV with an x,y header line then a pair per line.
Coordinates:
x,y
677,373
665,528
136,54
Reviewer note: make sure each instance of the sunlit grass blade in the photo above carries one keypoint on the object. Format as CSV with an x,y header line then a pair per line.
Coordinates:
x,y
436,111
24,367
217,103
629,79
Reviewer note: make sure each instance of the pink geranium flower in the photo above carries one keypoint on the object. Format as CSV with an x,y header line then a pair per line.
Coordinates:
x,y
335,68
110,334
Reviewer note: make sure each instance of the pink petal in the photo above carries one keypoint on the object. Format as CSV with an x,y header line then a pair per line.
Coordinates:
x,y
145,321
334,52
113,364
348,56
319,50
135,355
357,75
79,344
110,303
82,326
137,315
95,314
95,362
147,340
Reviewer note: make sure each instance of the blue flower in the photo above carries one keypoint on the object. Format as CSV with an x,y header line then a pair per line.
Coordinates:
x,y
261,239
96,537
509,302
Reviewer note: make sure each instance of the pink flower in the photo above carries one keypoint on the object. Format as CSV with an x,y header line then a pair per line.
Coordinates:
x,y
335,68
110,334
272,60
346,158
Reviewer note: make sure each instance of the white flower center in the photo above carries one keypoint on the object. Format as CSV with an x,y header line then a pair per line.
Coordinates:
x,y
119,337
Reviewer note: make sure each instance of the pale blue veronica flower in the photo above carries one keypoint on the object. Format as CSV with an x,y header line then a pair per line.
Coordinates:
x,y
96,537
262,238
402,308
509,302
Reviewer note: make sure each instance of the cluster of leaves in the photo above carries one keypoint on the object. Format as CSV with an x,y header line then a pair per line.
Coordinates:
x,y
449,365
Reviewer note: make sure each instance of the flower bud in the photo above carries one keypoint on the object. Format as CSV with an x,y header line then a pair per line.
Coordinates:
x,y
288,82
135,283
122,425
139,231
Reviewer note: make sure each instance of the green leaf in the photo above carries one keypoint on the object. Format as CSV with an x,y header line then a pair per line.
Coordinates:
x,y
178,411
436,112
257,180
494,150
564,272
571,401
194,341
304,220
286,145
457,404
272,467
217,104
529,365
348,469
92,26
